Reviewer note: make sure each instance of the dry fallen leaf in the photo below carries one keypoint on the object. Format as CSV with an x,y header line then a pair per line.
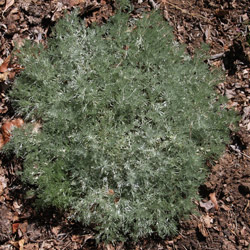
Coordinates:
x,y
56,230
17,207
2,143
3,182
8,4
202,229
4,76
224,207
207,221
8,126
207,205
15,227
21,243
5,64
23,227
15,244
15,217
214,200
1,188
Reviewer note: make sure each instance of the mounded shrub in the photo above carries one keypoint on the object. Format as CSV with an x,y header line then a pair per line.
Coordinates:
x,y
128,121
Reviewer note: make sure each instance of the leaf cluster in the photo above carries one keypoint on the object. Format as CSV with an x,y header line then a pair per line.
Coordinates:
x,y
128,120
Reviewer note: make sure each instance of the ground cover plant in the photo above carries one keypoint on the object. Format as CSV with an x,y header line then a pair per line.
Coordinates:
x,y
128,120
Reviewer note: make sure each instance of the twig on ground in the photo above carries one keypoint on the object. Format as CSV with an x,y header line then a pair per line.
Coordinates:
x,y
217,56
238,151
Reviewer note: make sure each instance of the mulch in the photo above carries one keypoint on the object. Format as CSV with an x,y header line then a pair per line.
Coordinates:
x,y
222,220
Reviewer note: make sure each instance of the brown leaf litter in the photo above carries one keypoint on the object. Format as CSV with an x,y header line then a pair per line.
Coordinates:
x,y
223,218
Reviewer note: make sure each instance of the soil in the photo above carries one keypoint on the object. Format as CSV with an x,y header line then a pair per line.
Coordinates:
x,y
222,220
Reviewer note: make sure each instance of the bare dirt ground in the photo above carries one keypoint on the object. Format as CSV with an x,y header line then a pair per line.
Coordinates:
x,y
223,217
